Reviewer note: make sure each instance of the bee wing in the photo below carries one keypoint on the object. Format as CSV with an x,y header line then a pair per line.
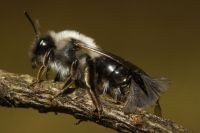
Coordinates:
x,y
138,98
119,60
107,54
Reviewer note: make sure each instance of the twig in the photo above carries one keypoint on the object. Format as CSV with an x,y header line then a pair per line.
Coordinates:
x,y
15,91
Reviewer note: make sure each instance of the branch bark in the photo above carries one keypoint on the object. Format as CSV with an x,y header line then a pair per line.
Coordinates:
x,y
15,91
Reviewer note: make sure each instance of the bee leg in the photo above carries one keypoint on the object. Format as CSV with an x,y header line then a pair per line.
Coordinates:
x,y
43,69
73,75
45,65
57,78
40,73
65,88
70,79
47,74
90,85
157,109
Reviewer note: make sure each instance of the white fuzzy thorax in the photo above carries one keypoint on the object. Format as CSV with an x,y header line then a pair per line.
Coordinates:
x,y
67,35
63,37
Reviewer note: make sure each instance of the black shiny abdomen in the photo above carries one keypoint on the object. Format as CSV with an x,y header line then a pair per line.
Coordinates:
x,y
111,71
114,75
117,77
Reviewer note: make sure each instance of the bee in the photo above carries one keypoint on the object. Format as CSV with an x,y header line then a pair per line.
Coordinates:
x,y
77,59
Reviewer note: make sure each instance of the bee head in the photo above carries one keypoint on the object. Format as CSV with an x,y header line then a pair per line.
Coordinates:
x,y
41,47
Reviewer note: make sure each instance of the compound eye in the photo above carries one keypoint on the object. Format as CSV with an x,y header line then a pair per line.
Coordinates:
x,y
43,43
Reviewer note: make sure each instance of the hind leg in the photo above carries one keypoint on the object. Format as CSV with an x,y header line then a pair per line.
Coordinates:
x,y
157,109
90,85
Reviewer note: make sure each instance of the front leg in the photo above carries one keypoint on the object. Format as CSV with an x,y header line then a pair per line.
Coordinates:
x,y
90,85
42,70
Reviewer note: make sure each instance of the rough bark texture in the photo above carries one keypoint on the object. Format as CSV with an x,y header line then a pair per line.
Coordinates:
x,y
15,91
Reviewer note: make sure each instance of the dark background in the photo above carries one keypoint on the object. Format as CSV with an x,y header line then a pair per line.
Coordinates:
x,y
162,37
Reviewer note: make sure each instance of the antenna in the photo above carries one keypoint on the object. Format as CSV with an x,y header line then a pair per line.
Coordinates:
x,y
32,24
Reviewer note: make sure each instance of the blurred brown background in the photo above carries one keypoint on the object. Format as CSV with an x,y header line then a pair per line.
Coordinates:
x,y
162,37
